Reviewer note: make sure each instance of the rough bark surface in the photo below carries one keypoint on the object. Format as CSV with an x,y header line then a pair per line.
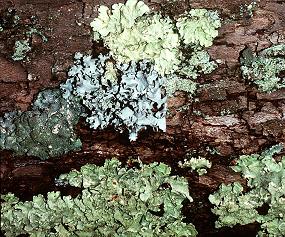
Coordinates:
x,y
230,116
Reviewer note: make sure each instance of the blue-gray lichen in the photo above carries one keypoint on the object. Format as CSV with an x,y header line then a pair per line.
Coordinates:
x,y
47,130
123,95
114,201
266,180
265,69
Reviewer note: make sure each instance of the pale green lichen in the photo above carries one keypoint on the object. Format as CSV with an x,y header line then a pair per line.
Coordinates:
x,y
131,38
120,17
265,69
199,164
115,201
132,33
21,48
266,180
199,27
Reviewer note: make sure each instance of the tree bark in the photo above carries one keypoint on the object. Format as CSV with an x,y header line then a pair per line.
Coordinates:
x,y
229,118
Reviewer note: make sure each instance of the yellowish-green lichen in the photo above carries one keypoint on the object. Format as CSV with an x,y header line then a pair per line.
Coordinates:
x,y
199,27
133,33
200,164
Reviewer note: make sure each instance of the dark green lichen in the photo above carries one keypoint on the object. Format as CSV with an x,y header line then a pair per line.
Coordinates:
x,y
47,130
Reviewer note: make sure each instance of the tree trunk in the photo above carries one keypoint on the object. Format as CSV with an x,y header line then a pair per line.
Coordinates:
x,y
229,118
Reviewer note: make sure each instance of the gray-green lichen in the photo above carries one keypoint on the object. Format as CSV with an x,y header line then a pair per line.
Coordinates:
x,y
21,48
200,164
174,83
47,130
34,31
196,62
265,69
247,10
115,201
266,181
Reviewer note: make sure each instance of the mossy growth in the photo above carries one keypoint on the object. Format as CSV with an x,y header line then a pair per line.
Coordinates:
x,y
115,201
265,69
47,130
266,187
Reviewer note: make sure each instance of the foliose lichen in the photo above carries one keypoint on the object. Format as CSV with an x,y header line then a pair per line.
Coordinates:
x,y
196,62
47,130
266,181
132,33
175,83
265,68
21,48
114,201
123,95
200,164
147,55
199,27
